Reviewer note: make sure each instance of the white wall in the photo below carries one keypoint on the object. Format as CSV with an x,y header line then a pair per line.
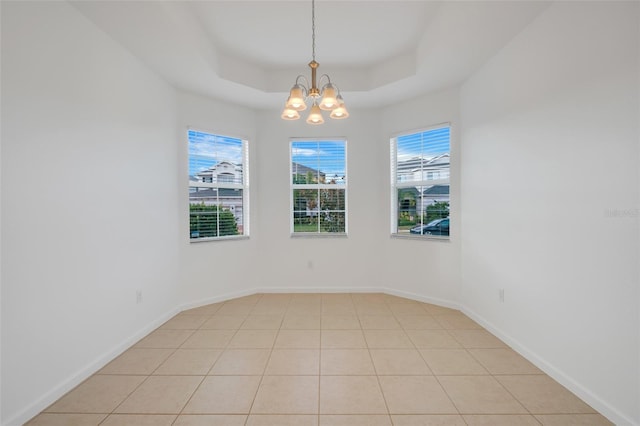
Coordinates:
x,y
550,156
1,226
216,270
330,263
89,202
427,269
368,259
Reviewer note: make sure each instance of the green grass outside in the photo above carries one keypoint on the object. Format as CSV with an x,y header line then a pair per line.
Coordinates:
x,y
305,227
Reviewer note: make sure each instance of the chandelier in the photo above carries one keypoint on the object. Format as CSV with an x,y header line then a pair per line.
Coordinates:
x,y
326,98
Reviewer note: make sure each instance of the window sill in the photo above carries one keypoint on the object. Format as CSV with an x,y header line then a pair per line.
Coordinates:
x,y
421,237
231,238
319,235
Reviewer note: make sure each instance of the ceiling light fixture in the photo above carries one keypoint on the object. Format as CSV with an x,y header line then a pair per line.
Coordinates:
x,y
326,98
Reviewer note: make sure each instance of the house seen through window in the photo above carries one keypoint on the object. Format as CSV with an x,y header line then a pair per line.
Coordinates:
x,y
420,182
218,186
318,187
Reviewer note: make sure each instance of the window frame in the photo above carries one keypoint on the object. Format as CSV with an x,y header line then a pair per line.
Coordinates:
x,y
293,186
395,185
243,186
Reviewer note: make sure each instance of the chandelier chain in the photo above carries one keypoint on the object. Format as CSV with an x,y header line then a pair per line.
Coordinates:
x,y
324,97
313,29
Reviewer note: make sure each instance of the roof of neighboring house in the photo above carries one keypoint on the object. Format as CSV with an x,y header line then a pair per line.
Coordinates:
x,y
437,190
213,192
301,169
416,163
214,168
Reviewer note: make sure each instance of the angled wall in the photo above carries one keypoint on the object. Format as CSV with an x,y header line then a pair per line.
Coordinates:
x,y
550,199
321,263
215,270
426,270
89,203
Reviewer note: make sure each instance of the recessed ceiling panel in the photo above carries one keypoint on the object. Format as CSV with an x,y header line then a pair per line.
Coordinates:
x,y
277,35
250,52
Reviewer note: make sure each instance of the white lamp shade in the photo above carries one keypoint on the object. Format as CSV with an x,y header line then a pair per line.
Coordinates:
x,y
341,111
289,114
296,99
329,100
315,116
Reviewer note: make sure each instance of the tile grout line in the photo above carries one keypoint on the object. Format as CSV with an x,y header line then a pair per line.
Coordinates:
x,y
431,369
375,370
147,376
152,372
320,361
210,368
208,371
490,374
273,344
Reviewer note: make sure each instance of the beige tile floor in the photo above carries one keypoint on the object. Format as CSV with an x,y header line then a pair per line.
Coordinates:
x,y
319,360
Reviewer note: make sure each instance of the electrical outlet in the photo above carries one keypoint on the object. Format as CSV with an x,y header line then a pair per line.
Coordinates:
x,y
138,297
501,295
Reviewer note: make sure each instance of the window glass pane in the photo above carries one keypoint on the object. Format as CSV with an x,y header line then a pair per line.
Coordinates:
x,y
423,156
332,221
304,162
420,206
305,210
318,162
299,202
215,212
420,177
408,205
331,162
217,185
307,224
214,158
332,199
315,166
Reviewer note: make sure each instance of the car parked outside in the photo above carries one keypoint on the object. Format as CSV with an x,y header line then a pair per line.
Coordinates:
x,y
435,227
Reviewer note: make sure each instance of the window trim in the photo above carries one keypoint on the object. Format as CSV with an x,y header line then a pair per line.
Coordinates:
x,y
244,186
393,145
319,186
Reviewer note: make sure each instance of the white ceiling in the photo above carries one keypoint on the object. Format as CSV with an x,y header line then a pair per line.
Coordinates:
x,y
250,52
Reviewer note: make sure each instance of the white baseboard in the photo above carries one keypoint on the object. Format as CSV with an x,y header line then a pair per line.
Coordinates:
x,y
216,299
85,372
433,300
319,290
579,390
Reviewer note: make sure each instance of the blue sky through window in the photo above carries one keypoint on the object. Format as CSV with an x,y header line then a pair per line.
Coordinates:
x,y
207,150
430,143
326,156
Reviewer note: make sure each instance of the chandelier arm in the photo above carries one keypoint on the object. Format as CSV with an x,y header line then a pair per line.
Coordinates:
x,y
328,82
304,85
320,80
337,88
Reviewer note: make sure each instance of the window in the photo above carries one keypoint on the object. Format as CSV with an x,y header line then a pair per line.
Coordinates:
x,y
218,186
420,183
318,187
